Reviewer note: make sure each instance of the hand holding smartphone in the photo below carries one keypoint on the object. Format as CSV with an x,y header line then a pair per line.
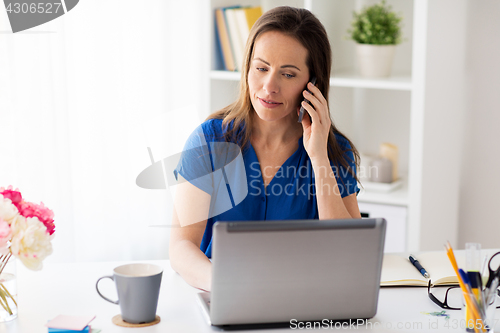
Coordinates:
x,y
302,110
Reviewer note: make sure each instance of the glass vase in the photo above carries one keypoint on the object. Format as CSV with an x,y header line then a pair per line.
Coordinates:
x,y
8,289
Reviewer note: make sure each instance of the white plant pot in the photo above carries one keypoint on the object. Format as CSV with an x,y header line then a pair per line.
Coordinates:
x,y
375,60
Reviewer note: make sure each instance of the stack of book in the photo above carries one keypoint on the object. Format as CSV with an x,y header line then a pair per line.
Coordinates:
x,y
233,26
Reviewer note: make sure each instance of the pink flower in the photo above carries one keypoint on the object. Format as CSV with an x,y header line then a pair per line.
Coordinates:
x,y
8,211
5,235
44,214
13,195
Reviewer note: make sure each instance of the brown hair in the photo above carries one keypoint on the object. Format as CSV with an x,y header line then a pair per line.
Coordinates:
x,y
302,25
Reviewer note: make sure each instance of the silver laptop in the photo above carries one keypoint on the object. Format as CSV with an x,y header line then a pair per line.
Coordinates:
x,y
306,270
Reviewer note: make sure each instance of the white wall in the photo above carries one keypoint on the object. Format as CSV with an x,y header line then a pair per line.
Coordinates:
x,y
443,122
81,99
480,181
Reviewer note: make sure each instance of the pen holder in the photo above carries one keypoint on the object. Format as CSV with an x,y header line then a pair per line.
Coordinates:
x,y
485,321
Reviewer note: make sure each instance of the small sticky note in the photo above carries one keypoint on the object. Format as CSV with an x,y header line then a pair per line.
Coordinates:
x,y
87,329
76,323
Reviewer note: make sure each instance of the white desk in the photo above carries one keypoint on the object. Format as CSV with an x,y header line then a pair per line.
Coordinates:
x,y
70,289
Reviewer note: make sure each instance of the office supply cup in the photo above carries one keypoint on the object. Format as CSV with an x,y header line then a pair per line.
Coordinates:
x,y
479,311
481,300
482,317
138,288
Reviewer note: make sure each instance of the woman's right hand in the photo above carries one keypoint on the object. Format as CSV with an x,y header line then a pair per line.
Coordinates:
x,y
316,123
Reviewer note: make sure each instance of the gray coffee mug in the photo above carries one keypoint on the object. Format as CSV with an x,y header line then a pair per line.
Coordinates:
x,y
138,288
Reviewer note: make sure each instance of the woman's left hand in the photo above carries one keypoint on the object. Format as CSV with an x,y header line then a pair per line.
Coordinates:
x,y
315,135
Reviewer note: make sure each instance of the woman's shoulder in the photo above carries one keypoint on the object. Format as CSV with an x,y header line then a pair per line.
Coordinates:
x,y
213,129
342,142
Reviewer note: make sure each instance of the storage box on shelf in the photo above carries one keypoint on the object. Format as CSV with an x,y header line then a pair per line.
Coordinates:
x,y
410,109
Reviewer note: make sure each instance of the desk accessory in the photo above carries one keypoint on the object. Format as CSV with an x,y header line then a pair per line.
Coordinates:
x,y
472,275
26,231
481,314
87,329
118,321
70,323
493,277
397,270
138,288
419,267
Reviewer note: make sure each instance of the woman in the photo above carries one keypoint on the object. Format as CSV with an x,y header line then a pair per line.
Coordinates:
x,y
292,170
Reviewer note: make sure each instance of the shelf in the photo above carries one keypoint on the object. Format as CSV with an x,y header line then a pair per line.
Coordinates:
x,y
398,197
343,79
349,79
225,75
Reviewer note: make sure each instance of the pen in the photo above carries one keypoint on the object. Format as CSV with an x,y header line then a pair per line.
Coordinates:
x,y
468,287
465,279
419,267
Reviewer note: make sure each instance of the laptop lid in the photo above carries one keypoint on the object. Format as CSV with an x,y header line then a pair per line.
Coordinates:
x,y
306,270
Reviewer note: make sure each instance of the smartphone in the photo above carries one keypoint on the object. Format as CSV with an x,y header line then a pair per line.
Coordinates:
x,y
302,110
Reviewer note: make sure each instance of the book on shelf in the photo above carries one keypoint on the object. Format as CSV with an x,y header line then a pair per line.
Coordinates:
x,y
223,40
397,270
234,37
233,25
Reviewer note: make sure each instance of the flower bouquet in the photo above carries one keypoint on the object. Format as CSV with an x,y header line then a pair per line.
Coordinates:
x,y
26,231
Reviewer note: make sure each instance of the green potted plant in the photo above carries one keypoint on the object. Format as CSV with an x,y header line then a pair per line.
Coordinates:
x,y
377,31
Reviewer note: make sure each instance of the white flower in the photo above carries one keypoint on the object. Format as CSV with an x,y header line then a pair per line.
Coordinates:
x,y
30,242
7,210
5,235
18,223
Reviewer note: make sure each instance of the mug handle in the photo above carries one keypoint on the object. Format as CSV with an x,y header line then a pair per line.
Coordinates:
x,y
97,288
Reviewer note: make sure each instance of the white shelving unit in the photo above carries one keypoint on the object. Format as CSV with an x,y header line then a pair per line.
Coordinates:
x,y
398,197
340,80
410,109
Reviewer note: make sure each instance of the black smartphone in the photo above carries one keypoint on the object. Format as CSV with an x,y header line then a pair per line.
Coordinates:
x,y
302,110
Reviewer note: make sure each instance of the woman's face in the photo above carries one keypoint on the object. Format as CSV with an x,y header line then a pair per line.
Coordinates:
x,y
277,76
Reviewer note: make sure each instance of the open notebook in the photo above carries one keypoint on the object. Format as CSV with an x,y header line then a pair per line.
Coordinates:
x,y
397,270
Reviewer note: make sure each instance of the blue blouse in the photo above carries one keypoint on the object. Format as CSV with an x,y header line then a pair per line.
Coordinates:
x,y
234,180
